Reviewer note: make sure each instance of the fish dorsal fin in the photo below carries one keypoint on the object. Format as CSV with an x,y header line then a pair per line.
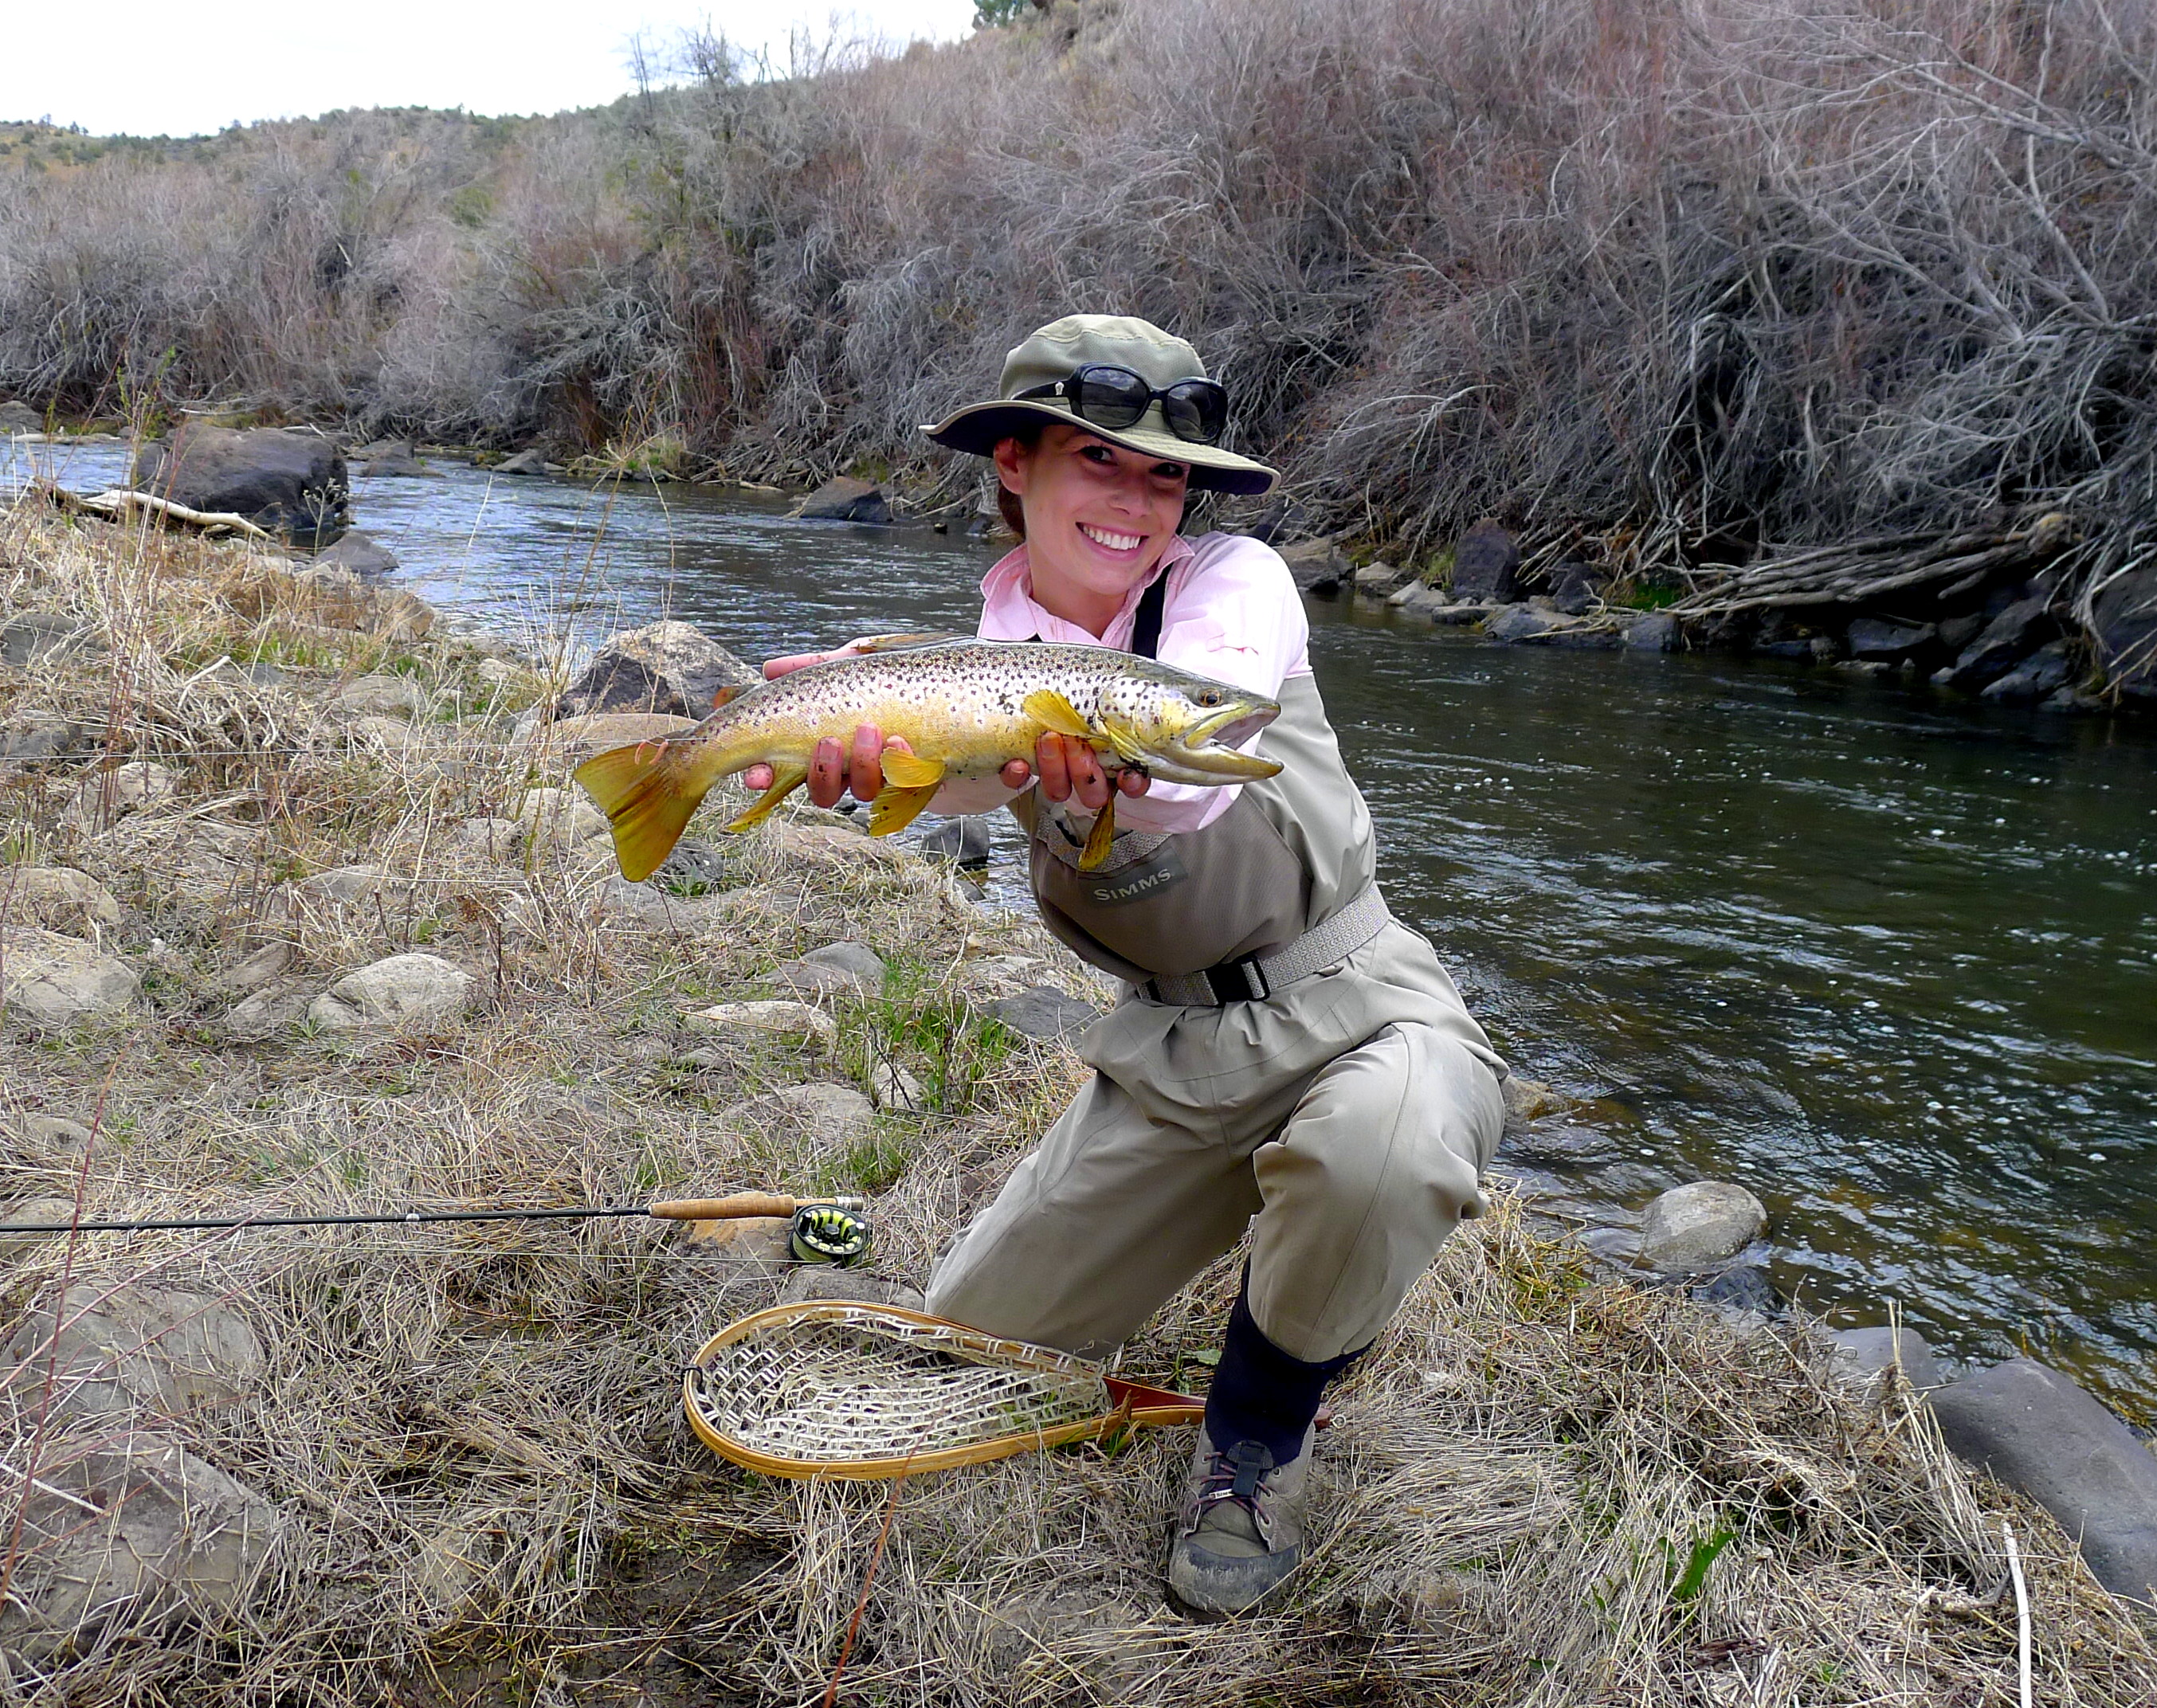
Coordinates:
x,y
1047,707
899,643
912,771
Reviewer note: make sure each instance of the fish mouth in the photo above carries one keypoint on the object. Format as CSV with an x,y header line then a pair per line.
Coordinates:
x,y
1232,726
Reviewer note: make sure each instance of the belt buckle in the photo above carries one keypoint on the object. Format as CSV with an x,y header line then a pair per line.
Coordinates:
x,y
1252,976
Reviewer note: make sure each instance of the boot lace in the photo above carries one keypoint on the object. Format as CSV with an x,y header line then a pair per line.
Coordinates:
x,y
1238,1475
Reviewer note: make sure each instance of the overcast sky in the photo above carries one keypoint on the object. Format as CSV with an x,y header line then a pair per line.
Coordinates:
x,y
184,67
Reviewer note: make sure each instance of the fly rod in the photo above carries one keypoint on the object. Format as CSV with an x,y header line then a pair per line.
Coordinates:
x,y
834,1230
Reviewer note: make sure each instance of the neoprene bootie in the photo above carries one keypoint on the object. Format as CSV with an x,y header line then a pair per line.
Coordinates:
x,y
1239,1532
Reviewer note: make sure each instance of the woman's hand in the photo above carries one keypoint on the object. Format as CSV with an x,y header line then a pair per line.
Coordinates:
x,y
1068,766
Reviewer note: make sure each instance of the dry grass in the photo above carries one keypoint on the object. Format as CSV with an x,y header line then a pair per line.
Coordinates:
x,y
473,1435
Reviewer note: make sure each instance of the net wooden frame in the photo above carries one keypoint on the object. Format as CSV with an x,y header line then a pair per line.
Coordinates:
x,y
857,1392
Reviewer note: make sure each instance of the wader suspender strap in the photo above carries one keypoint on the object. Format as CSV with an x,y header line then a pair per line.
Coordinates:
x,y
1145,623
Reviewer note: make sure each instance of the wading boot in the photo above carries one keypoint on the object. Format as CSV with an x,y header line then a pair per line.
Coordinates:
x,y
1239,1532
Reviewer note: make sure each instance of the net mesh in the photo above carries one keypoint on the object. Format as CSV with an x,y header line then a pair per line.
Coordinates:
x,y
854,1385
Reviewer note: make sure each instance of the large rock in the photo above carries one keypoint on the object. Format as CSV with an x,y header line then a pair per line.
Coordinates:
x,y
2046,669
1886,640
103,1351
129,1527
1657,631
1316,565
599,732
406,990
263,1013
530,461
832,1117
380,697
291,483
2123,627
1860,1355
1044,1012
105,795
852,969
1575,590
844,499
1379,580
19,417
669,667
2033,1428
1486,564
963,840
36,736
58,899
54,1218
2008,639
389,459
560,817
1698,1224
761,1022
48,981
36,637
362,554
336,598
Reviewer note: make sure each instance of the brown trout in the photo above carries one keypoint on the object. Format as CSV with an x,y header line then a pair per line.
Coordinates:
x,y
966,708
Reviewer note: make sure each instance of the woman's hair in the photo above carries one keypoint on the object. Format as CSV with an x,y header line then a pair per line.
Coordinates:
x,y
1007,501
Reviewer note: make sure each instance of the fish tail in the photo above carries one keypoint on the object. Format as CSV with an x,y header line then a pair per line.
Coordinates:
x,y
649,791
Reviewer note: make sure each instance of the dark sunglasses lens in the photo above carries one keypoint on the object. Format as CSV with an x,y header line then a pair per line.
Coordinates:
x,y
1196,409
1109,396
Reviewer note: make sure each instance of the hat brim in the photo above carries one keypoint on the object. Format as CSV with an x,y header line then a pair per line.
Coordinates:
x,y
979,428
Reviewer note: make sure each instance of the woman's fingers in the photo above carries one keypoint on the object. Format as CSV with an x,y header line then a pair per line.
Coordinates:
x,y
1049,759
866,773
1134,782
774,668
827,772
1016,773
1088,781
757,779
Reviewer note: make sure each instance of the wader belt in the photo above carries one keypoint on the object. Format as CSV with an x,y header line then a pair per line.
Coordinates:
x,y
1258,976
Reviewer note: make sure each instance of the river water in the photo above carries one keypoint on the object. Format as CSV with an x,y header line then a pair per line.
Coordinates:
x,y
1889,961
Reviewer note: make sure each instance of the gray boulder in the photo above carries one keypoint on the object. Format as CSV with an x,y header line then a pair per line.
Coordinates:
x,y
135,1348
1316,565
1486,562
408,991
1655,632
359,553
37,736
1860,1355
37,636
1044,1012
811,1281
965,839
831,1118
48,981
2034,1429
58,897
2043,671
530,461
103,796
2008,638
1514,624
129,1527
41,1140
844,499
1380,579
266,966
291,483
264,1012
19,417
389,459
55,1216
2123,626
853,969
1701,1223
1888,642
667,667
380,697
1575,590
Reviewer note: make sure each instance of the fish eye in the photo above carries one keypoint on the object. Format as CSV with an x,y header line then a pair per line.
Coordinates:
x,y
1206,697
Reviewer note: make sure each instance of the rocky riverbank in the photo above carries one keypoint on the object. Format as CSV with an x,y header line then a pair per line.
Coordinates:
x,y
299,917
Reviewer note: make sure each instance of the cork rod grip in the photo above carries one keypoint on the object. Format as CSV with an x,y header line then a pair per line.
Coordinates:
x,y
737,1204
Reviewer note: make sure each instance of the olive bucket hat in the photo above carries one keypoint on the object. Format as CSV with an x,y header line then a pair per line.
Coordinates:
x,y
1037,385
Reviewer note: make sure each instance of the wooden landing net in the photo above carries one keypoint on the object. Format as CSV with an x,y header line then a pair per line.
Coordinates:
x,y
835,1388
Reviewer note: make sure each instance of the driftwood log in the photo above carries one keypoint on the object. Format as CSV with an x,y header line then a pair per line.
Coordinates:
x,y
119,504
1949,565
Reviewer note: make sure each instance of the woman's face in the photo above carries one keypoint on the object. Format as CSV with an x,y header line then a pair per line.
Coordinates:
x,y
1098,517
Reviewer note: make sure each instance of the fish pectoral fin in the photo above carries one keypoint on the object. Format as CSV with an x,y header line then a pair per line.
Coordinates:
x,y
899,643
1046,706
912,771
1099,837
784,780
897,807
1126,744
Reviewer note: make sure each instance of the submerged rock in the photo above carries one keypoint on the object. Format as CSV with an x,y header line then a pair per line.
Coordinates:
x,y
843,498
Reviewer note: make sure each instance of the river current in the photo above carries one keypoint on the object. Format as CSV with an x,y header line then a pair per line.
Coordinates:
x,y
1889,961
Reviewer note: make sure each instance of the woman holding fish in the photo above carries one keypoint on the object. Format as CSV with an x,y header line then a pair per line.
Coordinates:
x,y
1288,1058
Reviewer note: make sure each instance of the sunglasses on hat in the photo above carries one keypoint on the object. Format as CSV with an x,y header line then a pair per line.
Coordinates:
x,y
1197,410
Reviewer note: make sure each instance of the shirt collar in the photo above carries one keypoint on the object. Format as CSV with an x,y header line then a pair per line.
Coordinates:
x,y
1009,612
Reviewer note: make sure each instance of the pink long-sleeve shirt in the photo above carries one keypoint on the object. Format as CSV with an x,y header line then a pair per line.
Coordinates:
x,y
1232,613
